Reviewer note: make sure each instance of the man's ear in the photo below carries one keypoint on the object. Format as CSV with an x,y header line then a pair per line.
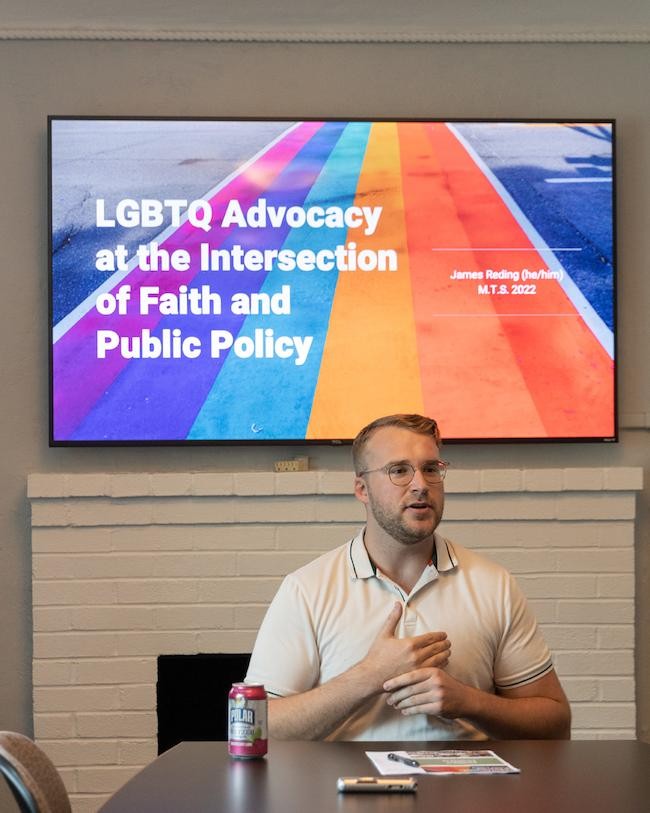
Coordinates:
x,y
360,489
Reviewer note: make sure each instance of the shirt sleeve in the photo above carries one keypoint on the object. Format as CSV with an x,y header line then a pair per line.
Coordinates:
x,y
285,656
522,655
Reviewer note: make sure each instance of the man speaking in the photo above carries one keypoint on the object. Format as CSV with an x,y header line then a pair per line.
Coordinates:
x,y
401,634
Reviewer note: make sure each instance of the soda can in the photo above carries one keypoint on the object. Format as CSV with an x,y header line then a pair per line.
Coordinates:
x,y
247,715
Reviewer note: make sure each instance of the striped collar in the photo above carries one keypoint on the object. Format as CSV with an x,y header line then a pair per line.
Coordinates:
x,y
361,566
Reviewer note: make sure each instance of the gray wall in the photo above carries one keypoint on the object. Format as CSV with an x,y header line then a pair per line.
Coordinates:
x,y
454,79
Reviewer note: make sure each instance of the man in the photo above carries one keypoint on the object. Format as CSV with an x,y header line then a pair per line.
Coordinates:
x,y
400,634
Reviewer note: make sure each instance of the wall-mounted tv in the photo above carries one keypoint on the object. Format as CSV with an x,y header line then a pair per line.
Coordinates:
x,y
215,280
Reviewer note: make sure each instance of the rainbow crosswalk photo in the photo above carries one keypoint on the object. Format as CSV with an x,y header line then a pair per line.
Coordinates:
x,y
217,280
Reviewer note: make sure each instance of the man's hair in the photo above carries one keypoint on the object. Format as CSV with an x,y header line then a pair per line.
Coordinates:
x,y
414,423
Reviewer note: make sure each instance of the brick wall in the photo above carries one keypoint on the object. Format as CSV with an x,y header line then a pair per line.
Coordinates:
x,y
127,567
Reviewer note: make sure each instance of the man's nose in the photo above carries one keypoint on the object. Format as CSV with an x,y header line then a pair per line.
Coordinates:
x,y
418,483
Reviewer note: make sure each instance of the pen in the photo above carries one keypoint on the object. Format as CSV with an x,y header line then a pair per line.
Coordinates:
x,y
406,760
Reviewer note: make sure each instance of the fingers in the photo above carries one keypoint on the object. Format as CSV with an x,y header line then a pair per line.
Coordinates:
x,y
429,691
431,649
434,647
428,638
416,691
411,678
438,661
436,654
429,646
413,703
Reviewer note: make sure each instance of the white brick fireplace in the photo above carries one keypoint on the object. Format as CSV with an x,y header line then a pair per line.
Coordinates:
x,y
130,566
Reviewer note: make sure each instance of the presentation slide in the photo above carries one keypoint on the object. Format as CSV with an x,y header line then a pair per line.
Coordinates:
x,y
219,280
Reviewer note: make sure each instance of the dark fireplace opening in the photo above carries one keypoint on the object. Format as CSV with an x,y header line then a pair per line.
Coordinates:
x,y
192,696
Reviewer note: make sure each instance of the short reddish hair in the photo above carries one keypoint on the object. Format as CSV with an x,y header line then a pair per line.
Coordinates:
x,y
414,423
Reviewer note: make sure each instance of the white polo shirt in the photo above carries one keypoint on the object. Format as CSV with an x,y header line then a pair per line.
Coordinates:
x,y
326,615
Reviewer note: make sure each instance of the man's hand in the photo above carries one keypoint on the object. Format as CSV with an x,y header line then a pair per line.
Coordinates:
x,y
535,710
389,657
429,691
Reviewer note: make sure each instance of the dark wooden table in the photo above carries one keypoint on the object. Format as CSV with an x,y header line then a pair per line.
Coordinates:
x,y
556,777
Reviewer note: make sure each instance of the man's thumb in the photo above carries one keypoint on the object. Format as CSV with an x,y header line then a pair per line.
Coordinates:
x,y
388,630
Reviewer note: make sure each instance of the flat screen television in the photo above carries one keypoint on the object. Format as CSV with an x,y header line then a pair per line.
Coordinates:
x,y
216,281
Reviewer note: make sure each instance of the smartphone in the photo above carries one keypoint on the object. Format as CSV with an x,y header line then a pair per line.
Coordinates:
x,y
376,784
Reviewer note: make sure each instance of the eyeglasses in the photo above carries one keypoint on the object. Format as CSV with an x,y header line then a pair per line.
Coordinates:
x,y
401,474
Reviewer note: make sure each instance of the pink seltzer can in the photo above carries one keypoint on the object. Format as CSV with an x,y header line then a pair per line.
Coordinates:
x,y
247,729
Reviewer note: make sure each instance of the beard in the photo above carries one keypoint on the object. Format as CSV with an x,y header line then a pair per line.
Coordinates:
x,y
394,524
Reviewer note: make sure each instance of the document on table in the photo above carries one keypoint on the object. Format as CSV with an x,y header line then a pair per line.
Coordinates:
x,y
478,762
